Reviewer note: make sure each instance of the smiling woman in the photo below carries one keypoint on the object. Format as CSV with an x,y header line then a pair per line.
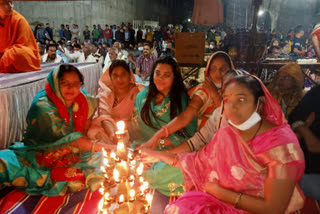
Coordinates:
x,y
55,157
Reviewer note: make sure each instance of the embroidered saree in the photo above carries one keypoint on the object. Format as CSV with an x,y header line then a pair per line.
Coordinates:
x,y
107,111
46,163
160,174
241,166
208,104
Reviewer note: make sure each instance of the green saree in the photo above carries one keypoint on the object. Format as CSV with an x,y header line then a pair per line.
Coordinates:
x,y
160,175
47,162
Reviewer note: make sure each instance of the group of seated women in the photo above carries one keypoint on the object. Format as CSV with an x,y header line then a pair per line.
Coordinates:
x,y
227,141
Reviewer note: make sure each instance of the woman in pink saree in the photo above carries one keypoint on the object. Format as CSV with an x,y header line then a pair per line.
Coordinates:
x,y
117,94
252,165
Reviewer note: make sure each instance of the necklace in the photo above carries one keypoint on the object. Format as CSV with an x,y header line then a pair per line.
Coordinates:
x,y
255,133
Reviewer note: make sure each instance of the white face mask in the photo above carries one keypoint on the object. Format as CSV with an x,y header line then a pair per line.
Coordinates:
x,y
253,120
140,48
211,47
216,84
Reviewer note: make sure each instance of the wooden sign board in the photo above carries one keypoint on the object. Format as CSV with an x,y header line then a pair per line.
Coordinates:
x,y
190,47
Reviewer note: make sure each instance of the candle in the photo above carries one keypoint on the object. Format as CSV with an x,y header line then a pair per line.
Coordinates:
x,y
131,195
131,178
116,175
121,199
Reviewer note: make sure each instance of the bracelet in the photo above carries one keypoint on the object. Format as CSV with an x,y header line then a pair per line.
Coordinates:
x,y
92,147
175,161
165,128
238,200
297,124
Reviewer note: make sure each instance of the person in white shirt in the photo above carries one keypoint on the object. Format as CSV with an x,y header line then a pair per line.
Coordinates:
x,y
87,56
112,55
51,55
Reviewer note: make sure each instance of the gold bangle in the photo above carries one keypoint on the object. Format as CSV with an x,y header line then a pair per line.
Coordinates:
x,y
238,200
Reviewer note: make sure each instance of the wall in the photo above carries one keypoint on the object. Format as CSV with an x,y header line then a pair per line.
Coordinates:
x,y
89,12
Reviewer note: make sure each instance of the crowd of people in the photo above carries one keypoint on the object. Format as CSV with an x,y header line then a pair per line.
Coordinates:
x,y
231,143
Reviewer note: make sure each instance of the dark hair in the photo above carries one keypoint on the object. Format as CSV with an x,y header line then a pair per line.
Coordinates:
x,y
298,29
68,68
147,44
224,56
177,90
118,62
51,45
274,47
62,25
77,46
283,44
251,83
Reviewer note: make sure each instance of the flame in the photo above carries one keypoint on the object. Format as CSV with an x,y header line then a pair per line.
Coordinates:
x,y
140,169
131,178
106,196
132,193
113,155
120,146
105,154
106,161
120,126
103,169
149,198
116,175
121,198
130,156
101,205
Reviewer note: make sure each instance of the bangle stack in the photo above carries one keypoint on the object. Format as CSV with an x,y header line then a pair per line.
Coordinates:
x,y
237,200
166,131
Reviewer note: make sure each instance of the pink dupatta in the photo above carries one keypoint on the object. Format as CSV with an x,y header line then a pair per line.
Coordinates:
x,y
240,167
106,111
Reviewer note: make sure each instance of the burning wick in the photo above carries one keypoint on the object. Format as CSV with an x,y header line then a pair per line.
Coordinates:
x,y
149,198
132,194
105,154
130,156
116,175
140,169
107,196
131,178
120,127
121,199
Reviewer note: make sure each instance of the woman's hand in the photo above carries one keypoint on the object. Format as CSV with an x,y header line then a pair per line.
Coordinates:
x,y
152,143
213,188
148,156
211,88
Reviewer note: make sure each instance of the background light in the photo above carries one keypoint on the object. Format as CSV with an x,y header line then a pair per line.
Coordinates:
x,y
189,20
260,13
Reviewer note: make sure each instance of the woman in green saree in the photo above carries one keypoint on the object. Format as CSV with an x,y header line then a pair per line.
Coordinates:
x,y
55,158
156,106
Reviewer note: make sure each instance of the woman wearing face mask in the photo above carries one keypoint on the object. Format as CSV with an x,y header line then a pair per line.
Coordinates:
x,y
253,163
154,107
205,98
